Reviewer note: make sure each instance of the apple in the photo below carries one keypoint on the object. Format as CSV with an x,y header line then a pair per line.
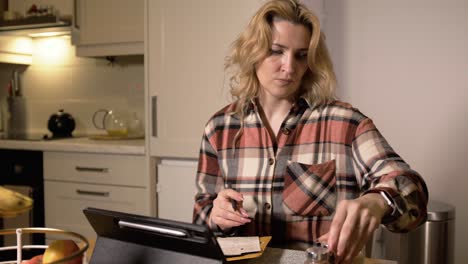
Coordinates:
x,y
60,249
35,260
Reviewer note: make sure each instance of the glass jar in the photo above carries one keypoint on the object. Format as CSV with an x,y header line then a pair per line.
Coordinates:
x,y
135,127
317,254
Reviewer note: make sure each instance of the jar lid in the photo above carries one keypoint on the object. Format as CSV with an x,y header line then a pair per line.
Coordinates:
x,y
439,211
317,252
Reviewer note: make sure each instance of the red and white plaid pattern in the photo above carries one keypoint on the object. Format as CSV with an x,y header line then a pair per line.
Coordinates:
x,y
323,155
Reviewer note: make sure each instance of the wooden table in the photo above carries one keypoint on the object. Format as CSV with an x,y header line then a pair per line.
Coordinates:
x,y
271,256
287,256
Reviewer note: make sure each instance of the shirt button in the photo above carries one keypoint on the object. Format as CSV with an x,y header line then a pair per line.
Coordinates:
x,y
271,161
267,206
286,131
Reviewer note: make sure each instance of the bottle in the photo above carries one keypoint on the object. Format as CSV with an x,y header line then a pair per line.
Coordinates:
x,y
317,254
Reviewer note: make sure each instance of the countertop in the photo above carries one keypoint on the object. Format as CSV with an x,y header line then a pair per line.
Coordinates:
x,y
79,144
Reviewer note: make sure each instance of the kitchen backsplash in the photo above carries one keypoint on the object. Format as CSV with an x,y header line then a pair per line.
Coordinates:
x,y
57,79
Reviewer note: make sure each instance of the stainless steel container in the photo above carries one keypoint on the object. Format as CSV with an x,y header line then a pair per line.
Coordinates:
x,y
431,243
16,116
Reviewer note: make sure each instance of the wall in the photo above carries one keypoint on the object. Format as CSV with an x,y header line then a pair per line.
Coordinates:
x,y
316,6
58,79
404,64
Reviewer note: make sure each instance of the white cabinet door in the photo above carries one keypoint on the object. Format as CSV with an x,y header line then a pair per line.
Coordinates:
x,y
122,170
64,203
108,27
187,42
176,189
74,181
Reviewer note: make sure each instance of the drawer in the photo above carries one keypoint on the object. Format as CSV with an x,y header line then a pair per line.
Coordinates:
x,y
65,203
126,170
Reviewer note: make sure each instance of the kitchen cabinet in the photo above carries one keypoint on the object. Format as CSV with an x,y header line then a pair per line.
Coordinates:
x,y
108,27
173,177
74,181
186,42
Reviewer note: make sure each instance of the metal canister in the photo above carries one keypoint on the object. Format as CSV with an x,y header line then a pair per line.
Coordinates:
x,y
317,254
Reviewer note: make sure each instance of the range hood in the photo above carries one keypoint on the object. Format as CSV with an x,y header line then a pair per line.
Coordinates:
x,y
16,36
34,25
15,49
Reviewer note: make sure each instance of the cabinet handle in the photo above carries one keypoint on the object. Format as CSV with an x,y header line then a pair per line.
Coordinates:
x,y
162,230
18,169
75,14
91,169
154,116
93,193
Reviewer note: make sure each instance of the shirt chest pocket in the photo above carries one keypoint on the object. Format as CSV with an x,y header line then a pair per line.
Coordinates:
x,y
309,190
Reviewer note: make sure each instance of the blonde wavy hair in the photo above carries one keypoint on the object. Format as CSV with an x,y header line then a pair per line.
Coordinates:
x,y
254,44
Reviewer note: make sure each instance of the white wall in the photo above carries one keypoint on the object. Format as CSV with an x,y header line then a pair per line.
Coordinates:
x,y
405,64
316,6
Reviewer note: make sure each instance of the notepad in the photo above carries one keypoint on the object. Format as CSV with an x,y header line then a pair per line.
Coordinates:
x,y
234,246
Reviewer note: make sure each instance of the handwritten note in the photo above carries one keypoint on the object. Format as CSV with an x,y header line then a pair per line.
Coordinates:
x,y
233,246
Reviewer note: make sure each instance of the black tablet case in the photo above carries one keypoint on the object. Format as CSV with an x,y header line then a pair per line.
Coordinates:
x,y
118,243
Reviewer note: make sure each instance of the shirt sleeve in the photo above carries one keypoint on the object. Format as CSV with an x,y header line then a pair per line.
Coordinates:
x,y
384,170
209,182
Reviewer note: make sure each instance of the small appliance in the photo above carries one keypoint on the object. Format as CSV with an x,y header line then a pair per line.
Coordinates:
x,y
61,124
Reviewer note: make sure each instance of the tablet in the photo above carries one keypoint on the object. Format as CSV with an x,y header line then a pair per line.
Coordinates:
x,y
129,238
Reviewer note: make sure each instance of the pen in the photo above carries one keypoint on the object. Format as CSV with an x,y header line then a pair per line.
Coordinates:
x,y
234,205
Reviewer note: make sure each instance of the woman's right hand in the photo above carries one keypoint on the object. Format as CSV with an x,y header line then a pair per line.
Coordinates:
x,y
224,215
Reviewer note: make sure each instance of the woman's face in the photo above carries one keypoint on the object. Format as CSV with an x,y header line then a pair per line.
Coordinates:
x,y
280,73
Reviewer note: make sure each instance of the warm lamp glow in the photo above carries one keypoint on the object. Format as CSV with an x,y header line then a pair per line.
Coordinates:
x,y
23,45
51,50
48,34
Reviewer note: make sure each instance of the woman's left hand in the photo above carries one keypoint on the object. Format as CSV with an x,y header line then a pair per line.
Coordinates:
x,y
353,224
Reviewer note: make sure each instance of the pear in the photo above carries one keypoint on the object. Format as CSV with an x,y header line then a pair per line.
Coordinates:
x,y
60,249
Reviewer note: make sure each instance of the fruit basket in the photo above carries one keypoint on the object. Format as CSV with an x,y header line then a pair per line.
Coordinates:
x,y
83,242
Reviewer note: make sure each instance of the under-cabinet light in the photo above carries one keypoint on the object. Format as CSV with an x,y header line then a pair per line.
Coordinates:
x,y
49,34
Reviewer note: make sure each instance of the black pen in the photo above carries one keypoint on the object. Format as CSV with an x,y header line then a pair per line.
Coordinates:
x,y
234,205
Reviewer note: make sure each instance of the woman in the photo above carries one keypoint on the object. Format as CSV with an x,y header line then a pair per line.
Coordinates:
x,y
288,160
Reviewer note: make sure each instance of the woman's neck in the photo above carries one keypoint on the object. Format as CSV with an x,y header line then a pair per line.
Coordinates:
x,y
273,108
274,111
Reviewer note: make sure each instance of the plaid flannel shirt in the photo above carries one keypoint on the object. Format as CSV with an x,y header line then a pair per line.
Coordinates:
x,y
323,155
